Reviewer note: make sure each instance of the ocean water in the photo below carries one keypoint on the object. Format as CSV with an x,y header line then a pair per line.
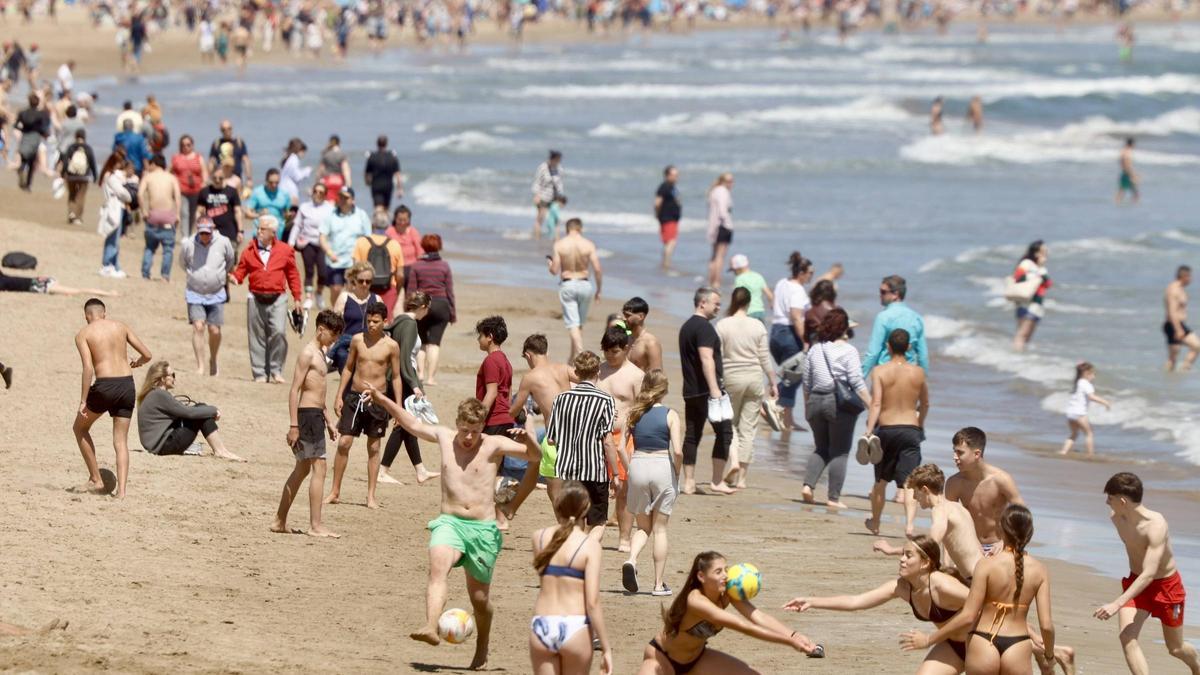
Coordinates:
x,y
831,152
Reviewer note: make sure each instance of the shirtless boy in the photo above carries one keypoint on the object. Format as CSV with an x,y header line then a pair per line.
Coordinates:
x,y
573,256
622,380
545,380
465,533
951,526
102,346
1153,587
1175,326
645,351
309,425
899,405
372,355
1128,182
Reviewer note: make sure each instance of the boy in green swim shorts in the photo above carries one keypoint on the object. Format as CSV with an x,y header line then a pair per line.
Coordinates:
x,y
465,534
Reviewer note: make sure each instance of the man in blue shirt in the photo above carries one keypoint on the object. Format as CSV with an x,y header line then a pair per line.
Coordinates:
x,y
135,146
268,199
340,231
895,315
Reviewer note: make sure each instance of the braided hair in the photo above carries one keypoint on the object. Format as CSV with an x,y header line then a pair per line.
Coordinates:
x,y
1016,528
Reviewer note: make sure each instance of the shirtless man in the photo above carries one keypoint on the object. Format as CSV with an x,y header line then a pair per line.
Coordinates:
x,y
935,117
645,351
306,435
160,200
572,258
465,533
545,380
103,349
895,428
1128,182
372,354
622,380
1153,587
975,114
951,526
1175,327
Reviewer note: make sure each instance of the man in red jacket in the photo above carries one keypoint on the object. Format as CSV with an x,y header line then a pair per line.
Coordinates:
x,y
271,266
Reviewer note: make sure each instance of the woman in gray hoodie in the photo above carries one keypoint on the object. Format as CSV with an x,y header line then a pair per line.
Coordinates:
x,y
168,425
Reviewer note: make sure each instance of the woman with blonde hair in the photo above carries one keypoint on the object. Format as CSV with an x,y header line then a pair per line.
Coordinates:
x,y
657,437
352,305
169,424
720,225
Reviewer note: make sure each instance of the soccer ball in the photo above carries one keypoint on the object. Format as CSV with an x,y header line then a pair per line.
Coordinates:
x,y
743,582
455,626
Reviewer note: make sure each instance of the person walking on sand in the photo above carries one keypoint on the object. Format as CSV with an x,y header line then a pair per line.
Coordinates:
x,y
386,258
669,211
1153,587
190,170
291,172
747,363
704,397
340,232
574,259
896,314
223,205
787,341
720,225
540,386
567,610
1128,181
621,380
645,351
382,174
744,277
1082,394
404,331
950,523
305,237
160,202
168,424
107,388
334,168
547,186
207,258
431,274
117,171
373,356
1027,289
493,387
271,268
1175,327
230,147
465,534
77,166
309,426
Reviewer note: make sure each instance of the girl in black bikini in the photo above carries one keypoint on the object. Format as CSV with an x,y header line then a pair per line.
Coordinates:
x,y
921,584
997,607
698,614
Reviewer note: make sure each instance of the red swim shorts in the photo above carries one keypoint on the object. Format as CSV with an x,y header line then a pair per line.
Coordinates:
x,y
669,231
1163,598
616,436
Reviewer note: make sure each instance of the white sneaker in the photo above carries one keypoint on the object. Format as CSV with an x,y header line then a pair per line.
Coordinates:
x,y
106,271
118,274
714,410
726,407
308,304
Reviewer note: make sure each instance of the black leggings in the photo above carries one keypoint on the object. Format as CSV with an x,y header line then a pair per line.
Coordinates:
x,y
314,265
400,436
695,414
431,328
25,173
183,433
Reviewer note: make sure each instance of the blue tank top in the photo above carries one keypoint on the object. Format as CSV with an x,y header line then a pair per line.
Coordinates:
x,y
651,433
355,314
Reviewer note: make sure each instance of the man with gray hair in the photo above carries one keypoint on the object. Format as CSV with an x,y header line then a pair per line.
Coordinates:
x,y
271,266
703,395
207,258
895,314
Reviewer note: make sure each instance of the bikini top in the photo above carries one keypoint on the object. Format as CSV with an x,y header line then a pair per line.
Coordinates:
x,y
564,570
703,629
1002,610
936,614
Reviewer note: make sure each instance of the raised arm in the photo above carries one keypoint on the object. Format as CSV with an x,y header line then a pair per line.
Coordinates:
x,y
847,603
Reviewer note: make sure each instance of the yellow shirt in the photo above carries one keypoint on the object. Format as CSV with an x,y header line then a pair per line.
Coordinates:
x,y
363,246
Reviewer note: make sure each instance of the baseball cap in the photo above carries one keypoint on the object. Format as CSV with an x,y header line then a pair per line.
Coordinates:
x,y
204,226
738,262
346,191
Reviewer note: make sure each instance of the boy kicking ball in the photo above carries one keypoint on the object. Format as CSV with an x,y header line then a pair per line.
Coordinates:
x,y
306,436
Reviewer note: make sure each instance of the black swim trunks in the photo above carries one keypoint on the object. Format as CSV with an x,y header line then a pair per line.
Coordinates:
x,y
359,417
901,452
311,444
1172,337
113,395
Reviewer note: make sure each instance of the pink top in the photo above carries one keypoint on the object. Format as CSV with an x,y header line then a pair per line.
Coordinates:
x,y
410,243
720,211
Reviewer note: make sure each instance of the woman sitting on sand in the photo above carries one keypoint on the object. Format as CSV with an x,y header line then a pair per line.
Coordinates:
x,y
921,583
698,614
568,562
1002,589
168,425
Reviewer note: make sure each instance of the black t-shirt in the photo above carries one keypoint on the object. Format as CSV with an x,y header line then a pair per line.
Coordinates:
x,y
695,333
220,205
235,148
670,210
381,166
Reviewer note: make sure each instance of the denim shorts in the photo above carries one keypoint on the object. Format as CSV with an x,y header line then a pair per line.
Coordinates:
x,y
213,315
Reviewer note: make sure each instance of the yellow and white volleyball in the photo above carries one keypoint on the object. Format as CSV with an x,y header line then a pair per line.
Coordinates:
x,y
742,581
455,626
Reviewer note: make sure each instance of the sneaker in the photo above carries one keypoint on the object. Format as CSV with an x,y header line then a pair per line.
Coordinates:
x,y
875,447
863,454
106,271
421,409
661,592
714,410
629,577
308,304
770,410
194,450
118,274
726,407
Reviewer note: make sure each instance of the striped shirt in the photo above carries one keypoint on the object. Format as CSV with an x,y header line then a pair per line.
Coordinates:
x,y
582,419
547,183
843,361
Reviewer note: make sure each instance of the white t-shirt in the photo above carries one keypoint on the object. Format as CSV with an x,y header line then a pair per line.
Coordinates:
x,y
788,295
1077,405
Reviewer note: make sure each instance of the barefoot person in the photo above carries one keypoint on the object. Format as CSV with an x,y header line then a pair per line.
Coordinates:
x,y
160,202
720,225
747,363
107,388
404,331
1082,394
1175,327
372,356
645,351
573,256
951,525
621,380
669,212
898,407
465,534
698,614
1153,587
207,258
921,582
309,425
568,602
703,391
541,385
168,423
1128,182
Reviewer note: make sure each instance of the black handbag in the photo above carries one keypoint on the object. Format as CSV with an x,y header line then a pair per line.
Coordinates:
x,y
846,399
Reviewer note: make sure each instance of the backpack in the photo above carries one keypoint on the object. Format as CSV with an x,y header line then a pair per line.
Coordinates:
x,y
77,165
381,260
19,260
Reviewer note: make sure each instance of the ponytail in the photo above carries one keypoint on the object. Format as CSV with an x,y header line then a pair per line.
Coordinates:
x,y
799,264
570,507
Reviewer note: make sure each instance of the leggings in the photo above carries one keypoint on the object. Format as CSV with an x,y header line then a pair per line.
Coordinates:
x,y
400,436
833,440
25,172
314,265
695,414
183,433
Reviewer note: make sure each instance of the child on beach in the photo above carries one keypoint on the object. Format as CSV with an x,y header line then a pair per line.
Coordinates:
x,y
554,216
1077,408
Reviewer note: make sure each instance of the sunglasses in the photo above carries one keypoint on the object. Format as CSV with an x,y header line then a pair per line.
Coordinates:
x,y
171,374
361,282
885,291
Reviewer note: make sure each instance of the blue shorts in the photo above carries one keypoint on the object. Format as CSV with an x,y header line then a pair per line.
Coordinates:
x,y
213,315
335,276
1023,312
